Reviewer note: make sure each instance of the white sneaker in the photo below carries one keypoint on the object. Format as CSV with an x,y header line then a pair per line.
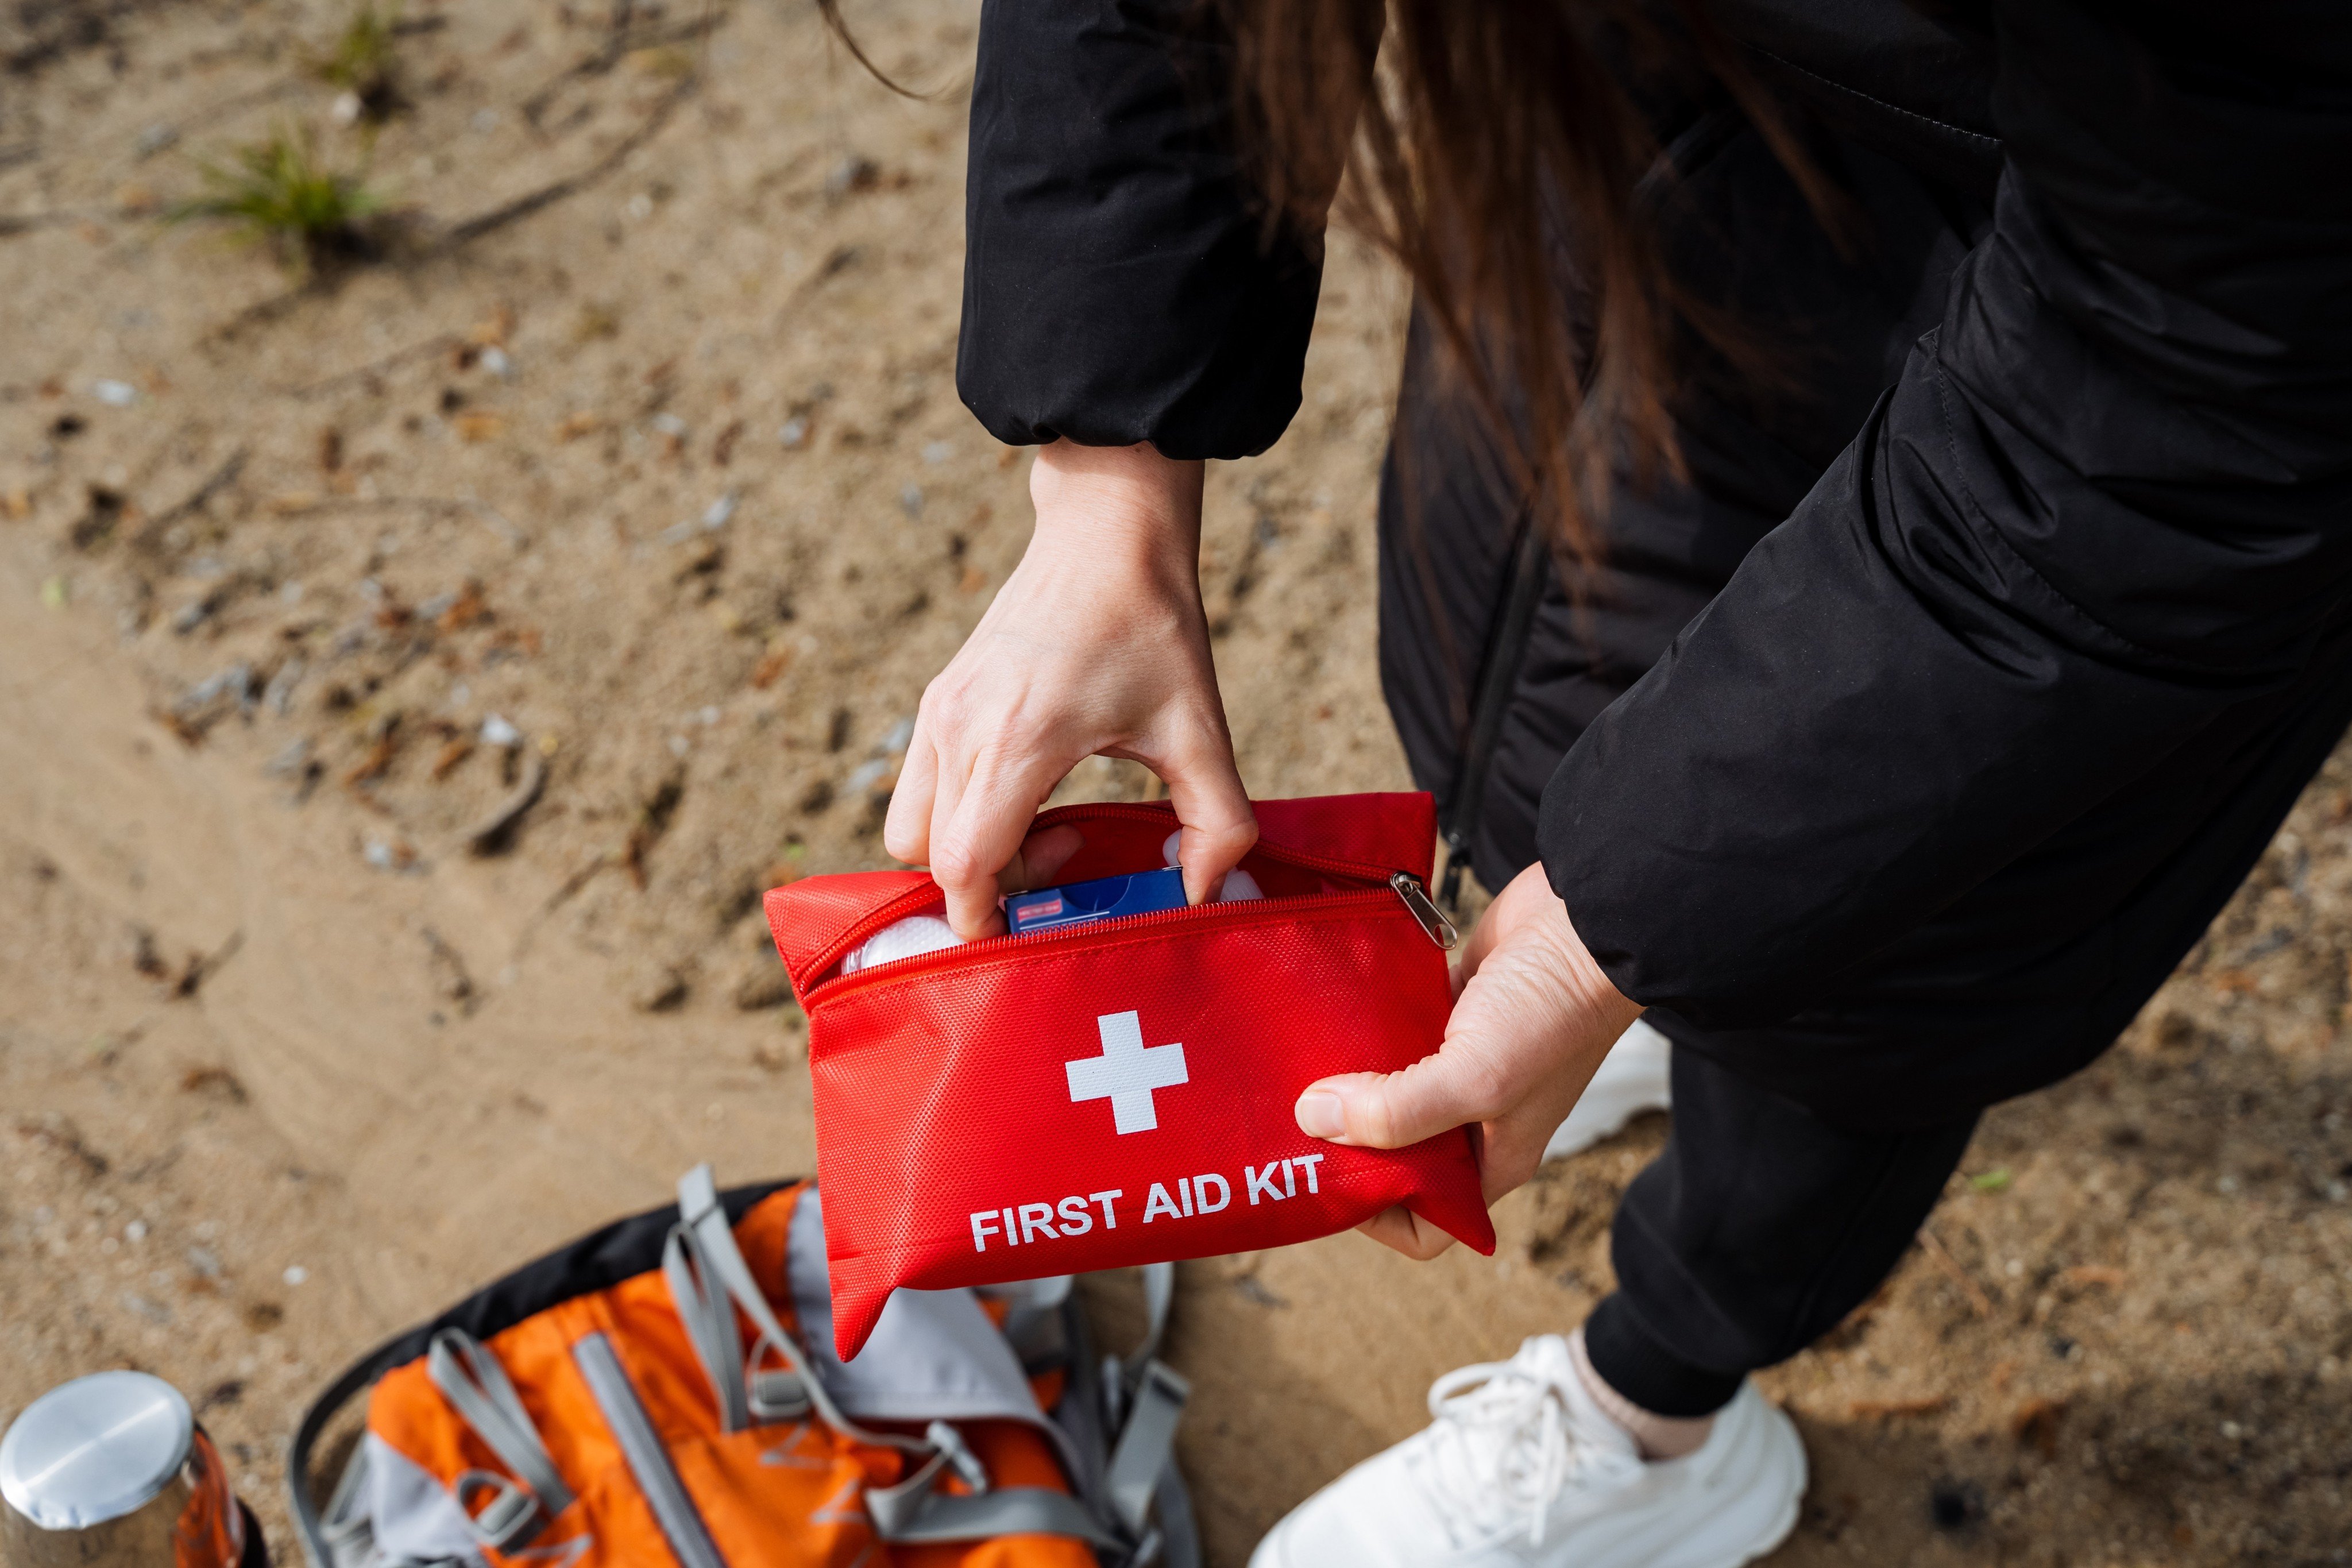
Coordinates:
x,y
1521,1470
1631,1080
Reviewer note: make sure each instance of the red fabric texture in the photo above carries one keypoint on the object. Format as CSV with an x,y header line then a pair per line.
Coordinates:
x,y
966,1093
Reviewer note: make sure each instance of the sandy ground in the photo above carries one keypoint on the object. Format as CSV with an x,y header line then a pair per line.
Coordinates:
x,y
647,444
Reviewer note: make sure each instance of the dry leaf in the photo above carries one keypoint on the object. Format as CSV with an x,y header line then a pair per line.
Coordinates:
x,y
2094,1274
2036,1424
467,607
455,751
492,333
1923,1404
377,761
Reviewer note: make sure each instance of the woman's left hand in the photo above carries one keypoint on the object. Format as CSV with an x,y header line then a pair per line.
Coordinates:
x,y
1533,1016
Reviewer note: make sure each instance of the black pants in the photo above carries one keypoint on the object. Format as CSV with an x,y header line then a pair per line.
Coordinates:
x,y
1805,1153
1751,1236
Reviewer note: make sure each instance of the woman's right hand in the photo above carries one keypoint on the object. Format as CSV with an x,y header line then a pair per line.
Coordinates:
x,y
1097,644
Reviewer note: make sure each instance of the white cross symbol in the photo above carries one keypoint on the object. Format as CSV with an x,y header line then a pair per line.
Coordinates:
x,y
1126,1073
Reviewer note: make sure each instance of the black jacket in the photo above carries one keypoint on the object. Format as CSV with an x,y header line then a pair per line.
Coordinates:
x,y
2070,531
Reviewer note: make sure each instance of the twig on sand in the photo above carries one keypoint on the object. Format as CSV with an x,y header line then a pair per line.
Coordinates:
x,y
438,343
434,506
467,230
1979,1302
496,830
219,479
620,41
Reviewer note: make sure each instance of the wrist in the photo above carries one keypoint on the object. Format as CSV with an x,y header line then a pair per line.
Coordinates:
x,y
1130,500
1597,996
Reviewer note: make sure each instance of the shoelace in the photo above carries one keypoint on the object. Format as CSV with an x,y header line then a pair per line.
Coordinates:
x,y
1503,1440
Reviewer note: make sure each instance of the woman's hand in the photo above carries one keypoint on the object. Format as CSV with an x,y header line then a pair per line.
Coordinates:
x,y
1533,1016
1097,644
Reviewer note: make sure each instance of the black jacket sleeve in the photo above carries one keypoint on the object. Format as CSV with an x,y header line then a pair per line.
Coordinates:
x,y
1119,283
2109,496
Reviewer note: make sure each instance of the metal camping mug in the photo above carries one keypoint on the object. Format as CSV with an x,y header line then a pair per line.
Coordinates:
x,y
111,1471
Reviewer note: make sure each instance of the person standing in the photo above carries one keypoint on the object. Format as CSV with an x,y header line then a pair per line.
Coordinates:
x,y
1865,547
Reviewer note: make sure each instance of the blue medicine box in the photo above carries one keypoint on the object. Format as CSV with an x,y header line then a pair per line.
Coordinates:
x,y
1137,894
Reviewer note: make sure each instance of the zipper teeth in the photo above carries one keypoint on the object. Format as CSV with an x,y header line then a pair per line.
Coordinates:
x,y
897,967
915,899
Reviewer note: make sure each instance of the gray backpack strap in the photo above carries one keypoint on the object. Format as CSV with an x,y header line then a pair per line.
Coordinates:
x,y
768,1396
1179,1536
1013,1510
1159,1292
709,1313
518,1507
1142,1400
912,1511
712,1269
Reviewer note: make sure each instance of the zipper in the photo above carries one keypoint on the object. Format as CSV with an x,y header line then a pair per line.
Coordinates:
x,y
1433,924
1407,888
641,1449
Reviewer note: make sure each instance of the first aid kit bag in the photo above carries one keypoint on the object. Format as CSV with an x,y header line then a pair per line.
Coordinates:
x,y
1121,1091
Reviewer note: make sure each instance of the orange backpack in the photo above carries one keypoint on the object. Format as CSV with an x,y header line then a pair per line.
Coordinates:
x,y
657,1393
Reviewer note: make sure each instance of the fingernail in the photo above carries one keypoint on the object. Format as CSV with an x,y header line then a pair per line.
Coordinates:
x,y
1318,1115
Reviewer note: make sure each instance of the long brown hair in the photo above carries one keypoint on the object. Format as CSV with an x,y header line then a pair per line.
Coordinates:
x,y
1495,148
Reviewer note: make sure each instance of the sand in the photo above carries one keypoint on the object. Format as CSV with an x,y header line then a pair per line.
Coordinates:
x,y
666,473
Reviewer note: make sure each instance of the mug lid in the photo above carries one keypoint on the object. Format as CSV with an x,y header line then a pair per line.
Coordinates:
x,y
94,1449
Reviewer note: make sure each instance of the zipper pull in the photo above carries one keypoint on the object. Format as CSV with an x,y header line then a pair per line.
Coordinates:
x,y
1432,919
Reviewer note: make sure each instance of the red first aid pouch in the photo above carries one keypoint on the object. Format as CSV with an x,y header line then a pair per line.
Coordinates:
x,y
1120,1093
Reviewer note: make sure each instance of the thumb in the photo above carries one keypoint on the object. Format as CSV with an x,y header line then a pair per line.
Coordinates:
x,y
1389,1110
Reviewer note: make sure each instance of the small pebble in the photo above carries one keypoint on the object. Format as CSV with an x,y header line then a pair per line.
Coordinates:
x,y
680,745
136,1230
715,516
669,424
486,120
639,207
497,732
155,138
115,394
792,433
708,716
937,452
864,774
290,592
900,735
495,361
2016,1269
910,500
855,172
295,1274
345,110
2232,1431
